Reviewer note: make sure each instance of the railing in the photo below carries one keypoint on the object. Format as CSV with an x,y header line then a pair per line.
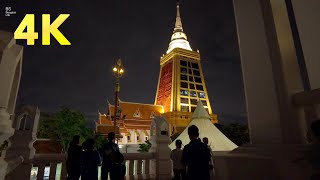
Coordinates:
x,y
49,166
138,165
53,166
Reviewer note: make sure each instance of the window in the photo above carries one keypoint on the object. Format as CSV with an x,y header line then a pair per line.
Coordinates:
x,y
199,87
196,73
138,138
184,85
195,65
189,64
191,78
146,138
128,138
184,77
197,79
193,108
183,63
192,86
183,70
193,94
194,101
185,108
201,95
184,92
204,102
190,71
184,100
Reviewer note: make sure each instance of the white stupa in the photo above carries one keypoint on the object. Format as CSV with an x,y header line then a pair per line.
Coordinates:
x,y
217,140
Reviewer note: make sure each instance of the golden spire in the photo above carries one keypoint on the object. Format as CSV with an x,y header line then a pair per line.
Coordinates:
x,y
178,25
178,38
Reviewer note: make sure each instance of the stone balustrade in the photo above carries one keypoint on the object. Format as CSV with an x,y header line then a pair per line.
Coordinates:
x,y
138,165
53,166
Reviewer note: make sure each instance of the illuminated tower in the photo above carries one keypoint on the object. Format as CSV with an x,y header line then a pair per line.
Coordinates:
x,y
181,82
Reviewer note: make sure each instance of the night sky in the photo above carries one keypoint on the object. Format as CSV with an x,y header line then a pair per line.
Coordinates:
x,y
80,76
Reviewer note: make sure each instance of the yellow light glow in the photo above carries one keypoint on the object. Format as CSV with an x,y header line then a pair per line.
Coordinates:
x,y
115,69
121,71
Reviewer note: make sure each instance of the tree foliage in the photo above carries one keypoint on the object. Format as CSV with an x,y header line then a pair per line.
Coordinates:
x,y
145,146
99,141
66,124
237,133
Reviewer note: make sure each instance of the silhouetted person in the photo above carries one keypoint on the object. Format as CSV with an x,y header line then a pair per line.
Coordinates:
x,y
118,169
73,159
314,153
205,140
196,156
107,152
179,168
90,160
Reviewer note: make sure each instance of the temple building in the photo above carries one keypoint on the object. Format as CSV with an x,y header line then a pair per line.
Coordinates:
x,y
181,85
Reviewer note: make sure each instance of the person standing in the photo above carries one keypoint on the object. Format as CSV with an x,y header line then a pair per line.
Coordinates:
x,y
118,169
108,152
196,156
179,168
73,159
205,140
90,161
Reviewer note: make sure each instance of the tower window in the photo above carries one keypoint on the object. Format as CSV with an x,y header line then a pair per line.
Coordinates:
x,y
193,101
184,92
196,72
199,87
191,78
183,70
197,79
204,102
193,108
190,71
184,77
192,86
201,95
189,64
184,85
183,63
193,94
195,65
185,108
184,100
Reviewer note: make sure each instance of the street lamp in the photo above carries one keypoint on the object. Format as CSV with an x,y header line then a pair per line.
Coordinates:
x,y
117,71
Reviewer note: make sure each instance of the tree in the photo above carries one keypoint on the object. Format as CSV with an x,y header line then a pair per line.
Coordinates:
x,y
237,133
66,124
145,146
99,140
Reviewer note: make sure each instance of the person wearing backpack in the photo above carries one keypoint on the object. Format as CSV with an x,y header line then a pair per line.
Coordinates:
x,y
196,156
108,152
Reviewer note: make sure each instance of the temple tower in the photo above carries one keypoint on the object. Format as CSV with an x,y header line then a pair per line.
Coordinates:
x,y
181,82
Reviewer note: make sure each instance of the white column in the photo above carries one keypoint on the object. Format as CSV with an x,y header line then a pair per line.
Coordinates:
x,y
260,91
270,72
307,18
10,71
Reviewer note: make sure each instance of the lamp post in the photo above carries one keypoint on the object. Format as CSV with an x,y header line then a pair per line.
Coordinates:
x,y
117,71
